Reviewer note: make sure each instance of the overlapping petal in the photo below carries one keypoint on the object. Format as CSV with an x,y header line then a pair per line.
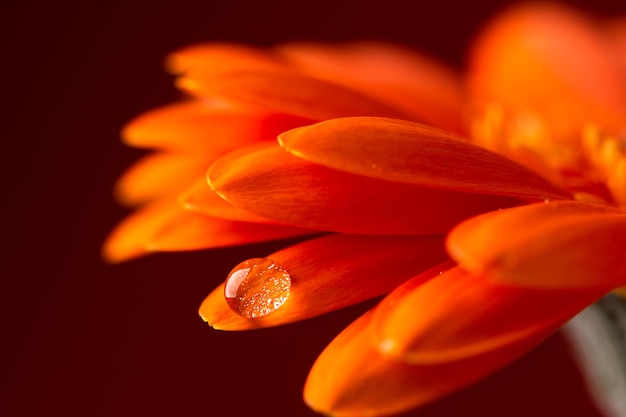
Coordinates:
x,y
447,314
270,182
211,128
412,153
159,174
333,272
556,245
164,226
351,378
431,91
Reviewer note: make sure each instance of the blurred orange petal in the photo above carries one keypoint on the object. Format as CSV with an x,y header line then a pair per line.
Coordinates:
x,y
285,91
398,150
333,272
220,56
159,174
191,231
200,198
352,379
426,88
552,61
554,245
197,126
446,314
270,182
129,238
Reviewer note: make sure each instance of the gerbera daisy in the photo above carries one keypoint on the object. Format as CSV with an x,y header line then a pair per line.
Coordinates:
x,y
488,206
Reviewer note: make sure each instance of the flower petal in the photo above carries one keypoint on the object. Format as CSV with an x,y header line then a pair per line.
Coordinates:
x,y
128,239
529,59
270,182
196,126
553,245
402,151
333,272
163,225
284,91
351,378
199,198
191,231
456,315
220,56
429,90
159,174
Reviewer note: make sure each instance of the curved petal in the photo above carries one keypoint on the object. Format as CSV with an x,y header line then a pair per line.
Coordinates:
x,y
220,55
351,378
553,245
333,272
397,150
164,225
284,91
274,184
159,174
429,90
456,315
196,126
529,60
199,198
128,239
191,231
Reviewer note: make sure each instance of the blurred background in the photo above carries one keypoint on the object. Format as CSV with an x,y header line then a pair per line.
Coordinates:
x,y
83,338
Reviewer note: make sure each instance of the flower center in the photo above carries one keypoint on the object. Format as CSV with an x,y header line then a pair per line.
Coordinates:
x,y
585,161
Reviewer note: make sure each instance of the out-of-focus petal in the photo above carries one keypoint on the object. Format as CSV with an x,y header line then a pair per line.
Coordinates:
x,y
554,245
551,61
159,174
191,231
429,90
164,225
351,378
196,126
220,56
200,198
128,239
397,150
456,315
333,272
285,91
272,183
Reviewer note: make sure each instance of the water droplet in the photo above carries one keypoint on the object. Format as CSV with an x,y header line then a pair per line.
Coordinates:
x,y
257,287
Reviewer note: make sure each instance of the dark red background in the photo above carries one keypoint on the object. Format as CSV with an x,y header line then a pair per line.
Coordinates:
x,y
83,338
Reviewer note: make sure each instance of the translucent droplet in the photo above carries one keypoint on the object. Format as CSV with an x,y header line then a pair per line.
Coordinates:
x,y
257,287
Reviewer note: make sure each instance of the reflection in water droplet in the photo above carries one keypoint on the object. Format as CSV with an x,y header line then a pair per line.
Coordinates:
x,y
257,287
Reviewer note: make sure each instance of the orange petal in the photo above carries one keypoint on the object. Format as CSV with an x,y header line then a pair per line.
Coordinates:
x,y
191,231
456,315
350,378
197,126
529,59
553,245
333,272
402,151
274,184
429,90
159,174
164,225
220,56
128,239
199,198
284,91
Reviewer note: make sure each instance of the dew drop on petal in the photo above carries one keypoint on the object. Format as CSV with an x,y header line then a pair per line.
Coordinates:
x,y
257,287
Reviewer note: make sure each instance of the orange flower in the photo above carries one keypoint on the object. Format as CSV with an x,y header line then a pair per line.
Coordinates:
x,y
489,206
